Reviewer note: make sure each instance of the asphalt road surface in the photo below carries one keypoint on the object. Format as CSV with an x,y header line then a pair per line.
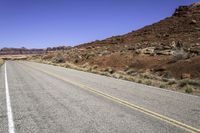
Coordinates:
x,y
39,98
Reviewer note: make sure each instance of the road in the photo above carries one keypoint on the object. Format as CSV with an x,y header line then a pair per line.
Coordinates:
x,y
39,98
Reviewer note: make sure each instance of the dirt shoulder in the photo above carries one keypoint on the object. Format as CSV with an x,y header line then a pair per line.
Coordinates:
x,y
158,71
1,62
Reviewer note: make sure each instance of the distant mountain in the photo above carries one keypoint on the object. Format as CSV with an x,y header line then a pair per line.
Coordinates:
x,y
24,51
20,51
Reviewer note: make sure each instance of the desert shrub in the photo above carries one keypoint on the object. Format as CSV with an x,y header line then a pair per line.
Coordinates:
x,y
105,73
110,70
188,89
193,82
88,69
67,65
38,60
85,65
48,56
130,71
185,82
146,76
162,86
95,67
1,62
139,81
148,82
171,82
76,61
179,55
118,76
58,58
33,57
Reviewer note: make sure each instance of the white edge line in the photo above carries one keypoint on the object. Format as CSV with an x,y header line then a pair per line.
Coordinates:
x,y
9,109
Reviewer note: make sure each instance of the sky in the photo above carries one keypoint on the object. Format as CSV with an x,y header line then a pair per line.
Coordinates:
x,y
48,23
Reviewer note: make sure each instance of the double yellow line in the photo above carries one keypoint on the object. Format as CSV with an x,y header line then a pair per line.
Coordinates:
x,y
125,103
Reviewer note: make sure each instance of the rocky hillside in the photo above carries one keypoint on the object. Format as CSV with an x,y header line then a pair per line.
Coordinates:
x,y
174,41
166,50
182,27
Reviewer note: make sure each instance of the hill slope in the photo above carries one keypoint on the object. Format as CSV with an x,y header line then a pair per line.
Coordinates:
x,y
166,44
154,55
183,26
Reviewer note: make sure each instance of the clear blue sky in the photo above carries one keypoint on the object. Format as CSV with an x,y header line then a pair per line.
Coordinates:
x,y
43,23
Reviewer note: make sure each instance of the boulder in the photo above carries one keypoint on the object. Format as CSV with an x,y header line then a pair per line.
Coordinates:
x,y
193,21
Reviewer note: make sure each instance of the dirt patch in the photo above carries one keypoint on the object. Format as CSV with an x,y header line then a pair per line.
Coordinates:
x,y
190,66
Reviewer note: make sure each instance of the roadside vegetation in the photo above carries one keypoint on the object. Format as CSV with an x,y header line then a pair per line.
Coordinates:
x,y
165,54
146,77
1,61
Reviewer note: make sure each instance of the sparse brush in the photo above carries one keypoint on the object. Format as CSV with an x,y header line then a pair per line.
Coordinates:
x,y
1,62
185,82
47,57
110,70
148,82
162,86
193,82
95,67
130,71
165,79
58,58
139,81
171,82
179,55
85,65
118,76
88,69
188,89
67,65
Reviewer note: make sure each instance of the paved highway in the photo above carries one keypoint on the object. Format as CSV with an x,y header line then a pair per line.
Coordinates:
x,y
39,98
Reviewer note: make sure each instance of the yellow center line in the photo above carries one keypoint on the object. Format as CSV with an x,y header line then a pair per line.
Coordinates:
x,y
125,103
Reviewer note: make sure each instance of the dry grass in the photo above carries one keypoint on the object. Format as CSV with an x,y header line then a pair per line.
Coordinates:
x,y
1,61
145,77
162,86
188,89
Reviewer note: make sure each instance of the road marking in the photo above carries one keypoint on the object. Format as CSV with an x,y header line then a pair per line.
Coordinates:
x,y
9,109
125,103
